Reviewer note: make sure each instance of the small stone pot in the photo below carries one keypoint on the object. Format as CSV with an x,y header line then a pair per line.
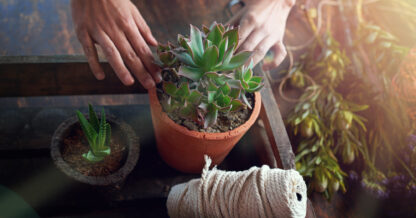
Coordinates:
x,y
122,129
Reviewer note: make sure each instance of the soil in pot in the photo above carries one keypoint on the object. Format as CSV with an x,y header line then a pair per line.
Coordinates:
x,y
226,120
75,144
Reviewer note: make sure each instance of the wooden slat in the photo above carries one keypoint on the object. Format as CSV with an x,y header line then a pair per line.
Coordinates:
x,y
48,79
275,128
73,101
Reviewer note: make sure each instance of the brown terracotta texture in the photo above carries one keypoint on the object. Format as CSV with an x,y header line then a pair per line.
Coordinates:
x,y
184,149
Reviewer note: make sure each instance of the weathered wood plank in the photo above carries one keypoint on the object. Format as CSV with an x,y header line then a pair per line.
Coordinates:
x,y
59,79
73,101
32,128
275,128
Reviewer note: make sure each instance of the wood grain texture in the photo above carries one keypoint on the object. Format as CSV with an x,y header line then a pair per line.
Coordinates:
x,y
59,79
275,127
27,169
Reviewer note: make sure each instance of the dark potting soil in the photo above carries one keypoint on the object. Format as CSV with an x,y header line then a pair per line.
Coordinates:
x,y
225,121
75,145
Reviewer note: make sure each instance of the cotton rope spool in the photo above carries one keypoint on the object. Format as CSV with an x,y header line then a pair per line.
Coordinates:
x,y
256,192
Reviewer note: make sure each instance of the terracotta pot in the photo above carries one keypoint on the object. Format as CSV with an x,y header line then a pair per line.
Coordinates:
x,y
184,149
121,129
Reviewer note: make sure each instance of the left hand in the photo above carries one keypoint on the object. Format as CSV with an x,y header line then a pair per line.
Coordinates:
x,y
262,27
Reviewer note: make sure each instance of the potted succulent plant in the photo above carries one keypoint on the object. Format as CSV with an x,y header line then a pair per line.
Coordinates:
x,y
97,152
208,98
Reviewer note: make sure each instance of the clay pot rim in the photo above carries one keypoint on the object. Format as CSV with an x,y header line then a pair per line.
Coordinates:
x,y
133,147
206,135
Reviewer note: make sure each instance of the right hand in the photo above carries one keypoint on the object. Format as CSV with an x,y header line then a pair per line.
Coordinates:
x,y
119,29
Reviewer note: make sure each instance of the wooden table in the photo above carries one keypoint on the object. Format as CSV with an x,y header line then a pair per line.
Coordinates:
x,y
37,93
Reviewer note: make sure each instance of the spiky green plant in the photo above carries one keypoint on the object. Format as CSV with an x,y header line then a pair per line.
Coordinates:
x,y
210,77
97,133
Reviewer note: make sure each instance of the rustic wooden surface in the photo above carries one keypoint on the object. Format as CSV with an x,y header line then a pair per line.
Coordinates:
x,y
27,169
44,27
275,128
59,79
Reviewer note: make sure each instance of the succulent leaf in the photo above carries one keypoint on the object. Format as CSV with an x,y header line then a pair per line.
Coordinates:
x,y
212,75
87,128
256,79
101,133
188,111
211,86
221,27
107,135
210,58
223,100
222,48
236,84
248,74
185,44
194,97
169,88
227,57
232,36
184,58
235,93
237,61
236,104
243,96
215,35
196,43
190,72
211,117
91,157
183,90
205,29
211,95
93,118
225,88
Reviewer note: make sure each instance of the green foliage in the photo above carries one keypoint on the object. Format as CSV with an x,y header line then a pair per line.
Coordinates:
x,y
211,77
350,115
97,133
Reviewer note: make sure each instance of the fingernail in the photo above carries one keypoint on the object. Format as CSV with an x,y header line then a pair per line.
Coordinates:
x,y
129,80
148,84
100,76
159,76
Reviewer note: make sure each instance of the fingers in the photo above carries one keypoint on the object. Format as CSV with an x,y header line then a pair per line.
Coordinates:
x,y
114,58
253,40
144,53
279,54
261,49
144,28
247,25
235,20
91,55
132,60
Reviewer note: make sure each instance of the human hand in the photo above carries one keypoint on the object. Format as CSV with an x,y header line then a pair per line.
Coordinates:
x,y
119,29
262,27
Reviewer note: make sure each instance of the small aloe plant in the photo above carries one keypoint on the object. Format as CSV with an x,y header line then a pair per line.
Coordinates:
x,y
210,76
98,134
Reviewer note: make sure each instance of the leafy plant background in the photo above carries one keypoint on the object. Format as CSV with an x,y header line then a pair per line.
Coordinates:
x,y
355,118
